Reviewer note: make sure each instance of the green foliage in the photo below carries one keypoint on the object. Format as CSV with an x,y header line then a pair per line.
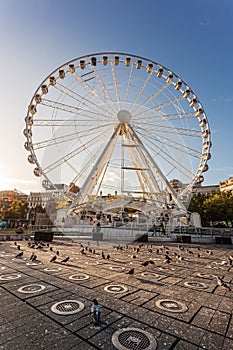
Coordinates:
x,y
215,206
17,210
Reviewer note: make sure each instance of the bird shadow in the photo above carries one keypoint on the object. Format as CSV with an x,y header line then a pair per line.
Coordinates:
x,y
142,280
68,265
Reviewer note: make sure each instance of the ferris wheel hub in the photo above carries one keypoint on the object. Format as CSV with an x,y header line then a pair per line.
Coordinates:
x,y
124,116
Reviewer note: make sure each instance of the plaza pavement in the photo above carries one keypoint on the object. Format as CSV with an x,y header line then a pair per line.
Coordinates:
x,y
178,304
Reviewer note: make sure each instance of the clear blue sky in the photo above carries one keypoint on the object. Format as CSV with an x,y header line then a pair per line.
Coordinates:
x,y
192,38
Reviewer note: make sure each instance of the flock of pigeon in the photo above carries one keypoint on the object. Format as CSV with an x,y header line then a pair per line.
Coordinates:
x,y
134,254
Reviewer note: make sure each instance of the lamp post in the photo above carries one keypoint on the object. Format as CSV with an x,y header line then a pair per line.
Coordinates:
x,y
63,224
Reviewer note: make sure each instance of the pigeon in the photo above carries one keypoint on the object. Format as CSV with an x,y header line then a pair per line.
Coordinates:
x,y
222,283
230,258
130,272
65,260
167,257
82,251
146,263
209,252
103,256
51,248
34,258
18,247
19,255
108,257
31,257
53,258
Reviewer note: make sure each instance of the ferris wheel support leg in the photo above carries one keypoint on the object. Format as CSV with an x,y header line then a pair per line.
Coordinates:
x,y
159,173
97,169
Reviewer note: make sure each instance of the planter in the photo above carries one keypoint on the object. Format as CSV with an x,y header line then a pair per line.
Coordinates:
x,y
45,236
183,238
223,240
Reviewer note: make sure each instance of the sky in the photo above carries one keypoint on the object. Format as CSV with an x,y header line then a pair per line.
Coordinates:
x,y
192,38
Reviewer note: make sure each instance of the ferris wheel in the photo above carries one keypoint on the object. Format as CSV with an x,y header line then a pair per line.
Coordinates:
x,y
115,124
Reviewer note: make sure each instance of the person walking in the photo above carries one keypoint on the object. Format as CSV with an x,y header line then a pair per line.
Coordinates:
x,y
95,311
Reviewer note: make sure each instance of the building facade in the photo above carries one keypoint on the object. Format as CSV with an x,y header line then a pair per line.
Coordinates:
x,y
227,185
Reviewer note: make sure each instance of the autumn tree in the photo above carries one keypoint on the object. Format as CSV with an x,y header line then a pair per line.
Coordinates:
x,y
17,210
215,206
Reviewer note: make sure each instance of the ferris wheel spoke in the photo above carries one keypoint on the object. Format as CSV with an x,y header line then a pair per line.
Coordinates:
x,y
53,141
93,93
168,158
69,122
128,86
140,92
162,106
163,116
175,145
69,137
65,107
70,155
76,97
105,92
115,85
180,147
172,130
150,98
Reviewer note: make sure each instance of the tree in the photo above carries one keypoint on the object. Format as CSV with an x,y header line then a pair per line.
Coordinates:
x,y
214,207
17,210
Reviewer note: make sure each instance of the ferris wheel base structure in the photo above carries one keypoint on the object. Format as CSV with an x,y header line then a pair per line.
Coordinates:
x,y
118,125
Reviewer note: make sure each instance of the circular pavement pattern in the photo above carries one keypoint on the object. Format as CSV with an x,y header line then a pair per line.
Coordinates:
x,y
9,276
195,285
206,275
92,263
115,288
164,268
52,269
31,288
19,260
67,307
79,277
171,305
150,275
134,339
117,268
34,263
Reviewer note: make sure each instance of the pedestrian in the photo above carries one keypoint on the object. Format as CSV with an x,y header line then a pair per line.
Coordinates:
x,y
95,311
154,230
162,229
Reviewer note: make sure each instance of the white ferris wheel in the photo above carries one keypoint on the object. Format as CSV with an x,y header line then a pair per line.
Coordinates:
x,y
121,127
